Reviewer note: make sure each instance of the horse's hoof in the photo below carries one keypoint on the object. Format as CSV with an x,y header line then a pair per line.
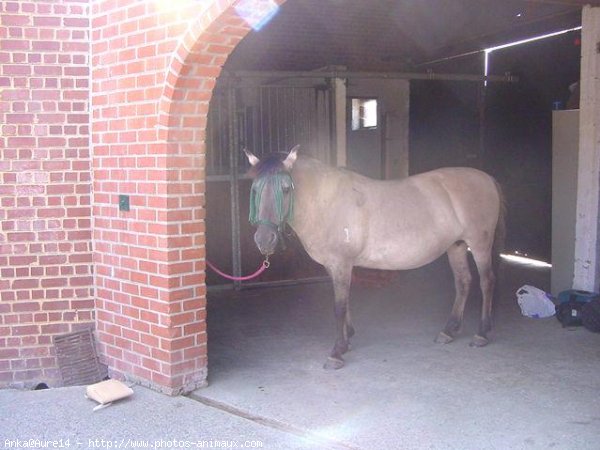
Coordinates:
x,y
479,341
443,338
333,363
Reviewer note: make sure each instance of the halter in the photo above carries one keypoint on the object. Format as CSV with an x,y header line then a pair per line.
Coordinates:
x,y
277,182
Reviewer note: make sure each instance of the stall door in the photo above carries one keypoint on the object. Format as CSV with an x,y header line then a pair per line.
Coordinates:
x,y
364,137
263,119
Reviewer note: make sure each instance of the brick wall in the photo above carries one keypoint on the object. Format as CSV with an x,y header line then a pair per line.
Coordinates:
x,y
45,231
153,64
154,68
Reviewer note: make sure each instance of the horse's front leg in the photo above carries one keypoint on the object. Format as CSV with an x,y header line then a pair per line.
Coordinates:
x,y
341,275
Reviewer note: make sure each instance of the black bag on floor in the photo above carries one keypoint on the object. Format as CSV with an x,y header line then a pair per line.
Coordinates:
x,y
590,315
569,311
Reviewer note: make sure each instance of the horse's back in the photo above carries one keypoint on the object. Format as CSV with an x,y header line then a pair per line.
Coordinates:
x,y
474,195
471,194
415,220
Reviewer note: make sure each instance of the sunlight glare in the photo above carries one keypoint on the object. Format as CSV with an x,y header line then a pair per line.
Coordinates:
x,y
257,13
489,50
525,260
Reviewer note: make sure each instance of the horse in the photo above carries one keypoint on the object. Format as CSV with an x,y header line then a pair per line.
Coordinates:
x,y
344,219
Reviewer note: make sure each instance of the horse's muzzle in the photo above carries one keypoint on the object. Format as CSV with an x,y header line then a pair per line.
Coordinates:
x,y
266,238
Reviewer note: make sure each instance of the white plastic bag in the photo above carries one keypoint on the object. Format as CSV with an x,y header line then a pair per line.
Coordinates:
x,y
534,302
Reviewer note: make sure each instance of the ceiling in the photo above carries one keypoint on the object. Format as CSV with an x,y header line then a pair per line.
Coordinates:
x,y
401,35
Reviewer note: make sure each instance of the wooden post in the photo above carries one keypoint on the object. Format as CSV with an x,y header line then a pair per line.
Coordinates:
x,y
587,266
339,121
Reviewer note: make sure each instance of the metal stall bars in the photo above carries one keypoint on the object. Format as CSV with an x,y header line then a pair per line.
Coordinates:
x,y
263,115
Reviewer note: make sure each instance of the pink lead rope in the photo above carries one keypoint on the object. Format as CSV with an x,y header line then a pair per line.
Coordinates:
x,y
264,266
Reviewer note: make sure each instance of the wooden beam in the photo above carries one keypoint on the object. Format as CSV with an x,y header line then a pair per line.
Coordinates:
x,y
580,3
339,122
283,74
587,236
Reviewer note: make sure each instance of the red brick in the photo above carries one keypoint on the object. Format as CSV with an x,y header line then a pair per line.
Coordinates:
x,y
23,330
158,249
25,283
76,22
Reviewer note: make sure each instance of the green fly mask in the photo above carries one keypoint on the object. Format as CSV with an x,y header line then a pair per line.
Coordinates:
x,y
277,186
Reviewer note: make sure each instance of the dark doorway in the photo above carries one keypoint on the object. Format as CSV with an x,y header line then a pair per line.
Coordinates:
x,y
515,142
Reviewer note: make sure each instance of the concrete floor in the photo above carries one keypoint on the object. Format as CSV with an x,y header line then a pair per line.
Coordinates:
x,y
535,386
62,418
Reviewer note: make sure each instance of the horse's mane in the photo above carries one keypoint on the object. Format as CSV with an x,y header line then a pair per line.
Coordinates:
x,y
269,165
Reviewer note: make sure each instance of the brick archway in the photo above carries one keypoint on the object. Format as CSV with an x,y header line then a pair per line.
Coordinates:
x,y
148,142
183,110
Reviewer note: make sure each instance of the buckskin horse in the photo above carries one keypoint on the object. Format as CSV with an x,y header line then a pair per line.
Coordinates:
x,y
344,219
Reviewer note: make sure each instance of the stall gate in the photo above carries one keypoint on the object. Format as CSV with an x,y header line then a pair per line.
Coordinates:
x,y
264,118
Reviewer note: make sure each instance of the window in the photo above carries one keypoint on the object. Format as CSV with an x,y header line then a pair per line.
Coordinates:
x,y
364,113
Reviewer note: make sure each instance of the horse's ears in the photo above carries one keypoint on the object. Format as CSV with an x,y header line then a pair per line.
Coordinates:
x,y
291,158
251,157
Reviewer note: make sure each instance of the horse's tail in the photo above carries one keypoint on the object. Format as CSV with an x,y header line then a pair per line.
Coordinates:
x,y
499,236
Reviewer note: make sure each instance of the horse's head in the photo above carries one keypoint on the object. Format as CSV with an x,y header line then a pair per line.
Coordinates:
x,y
271,197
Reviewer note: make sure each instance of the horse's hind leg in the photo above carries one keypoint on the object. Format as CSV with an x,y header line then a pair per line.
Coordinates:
x,y
457,256
487,280
349,325
341,275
